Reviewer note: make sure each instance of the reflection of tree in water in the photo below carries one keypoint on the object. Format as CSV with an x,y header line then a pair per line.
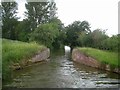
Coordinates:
x,y
0,81
94,72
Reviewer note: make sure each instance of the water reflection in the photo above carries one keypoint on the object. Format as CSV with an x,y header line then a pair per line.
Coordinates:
x,y
67,49
0,83
62,72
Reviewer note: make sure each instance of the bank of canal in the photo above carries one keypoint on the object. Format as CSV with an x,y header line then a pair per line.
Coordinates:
x,y
61,72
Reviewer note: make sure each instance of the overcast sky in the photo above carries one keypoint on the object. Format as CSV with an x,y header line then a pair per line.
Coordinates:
x,y
101,14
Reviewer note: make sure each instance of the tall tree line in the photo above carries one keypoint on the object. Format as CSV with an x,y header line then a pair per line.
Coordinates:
x,y
42,26
79,35
40,12
9,19
37,13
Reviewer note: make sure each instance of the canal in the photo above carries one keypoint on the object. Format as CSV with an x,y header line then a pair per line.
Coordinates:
x,y
61,72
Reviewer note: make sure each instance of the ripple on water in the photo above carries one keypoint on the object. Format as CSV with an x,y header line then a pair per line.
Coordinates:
x,y
60,72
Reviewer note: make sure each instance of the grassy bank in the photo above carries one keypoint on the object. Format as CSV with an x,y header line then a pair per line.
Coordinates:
x,y
103,56
14,52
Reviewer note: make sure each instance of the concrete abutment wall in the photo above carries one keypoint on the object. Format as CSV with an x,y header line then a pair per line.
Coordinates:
x,y
79,57
40,56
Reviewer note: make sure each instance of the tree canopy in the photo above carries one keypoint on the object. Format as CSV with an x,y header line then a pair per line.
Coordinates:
x,y
47,33
40,12
74,30
43,26
9,19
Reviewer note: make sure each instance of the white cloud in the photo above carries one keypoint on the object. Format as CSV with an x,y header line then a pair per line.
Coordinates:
x,y
99,13
21,8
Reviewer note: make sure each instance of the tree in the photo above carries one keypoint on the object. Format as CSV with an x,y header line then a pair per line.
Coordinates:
x,y
73,32
9,19
98,36
111,43
0,21
45,34
23,30
40,12
59,40
50,34
84,39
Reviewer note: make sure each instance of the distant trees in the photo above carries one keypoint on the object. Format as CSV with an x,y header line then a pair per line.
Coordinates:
x,y
85,39
0,21
42,25
59,40
98,36
99,39
111,43
45,27
79,34
9,19
47,33
74,30
39,12
23,30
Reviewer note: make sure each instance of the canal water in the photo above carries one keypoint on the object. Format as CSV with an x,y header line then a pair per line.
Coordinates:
x,y
61,72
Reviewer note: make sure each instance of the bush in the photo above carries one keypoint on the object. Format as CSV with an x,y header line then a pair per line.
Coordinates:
x,y
46,34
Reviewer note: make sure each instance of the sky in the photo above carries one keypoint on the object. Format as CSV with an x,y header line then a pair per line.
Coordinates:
x,y
102,14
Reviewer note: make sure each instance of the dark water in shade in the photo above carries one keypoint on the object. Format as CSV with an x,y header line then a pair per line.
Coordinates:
x,y
0,83
61,72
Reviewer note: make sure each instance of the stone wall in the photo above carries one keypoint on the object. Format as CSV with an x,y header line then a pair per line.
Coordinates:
x,y
40,56
79,57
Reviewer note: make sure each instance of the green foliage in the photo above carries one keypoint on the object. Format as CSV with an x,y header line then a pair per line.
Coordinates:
x,y
103,56
96,39
74,30
37,13
45,34
9,19
59,40
40,12
83,39
111,43
23,30
98,36
15,51
50,34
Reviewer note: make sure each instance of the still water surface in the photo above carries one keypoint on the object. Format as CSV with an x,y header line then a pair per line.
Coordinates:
x,y
61,72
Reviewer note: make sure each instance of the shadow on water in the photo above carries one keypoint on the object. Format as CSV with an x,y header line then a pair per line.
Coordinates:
x,y
0,83
61,72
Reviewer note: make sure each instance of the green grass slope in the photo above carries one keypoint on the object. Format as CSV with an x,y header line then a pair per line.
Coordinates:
x,y
103,56
14,51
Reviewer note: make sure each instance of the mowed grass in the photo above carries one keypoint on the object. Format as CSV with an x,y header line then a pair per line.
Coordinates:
x,y
15,51
103,56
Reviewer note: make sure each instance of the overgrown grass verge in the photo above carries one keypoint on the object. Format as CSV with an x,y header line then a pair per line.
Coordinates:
x,y
14,52
106,57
